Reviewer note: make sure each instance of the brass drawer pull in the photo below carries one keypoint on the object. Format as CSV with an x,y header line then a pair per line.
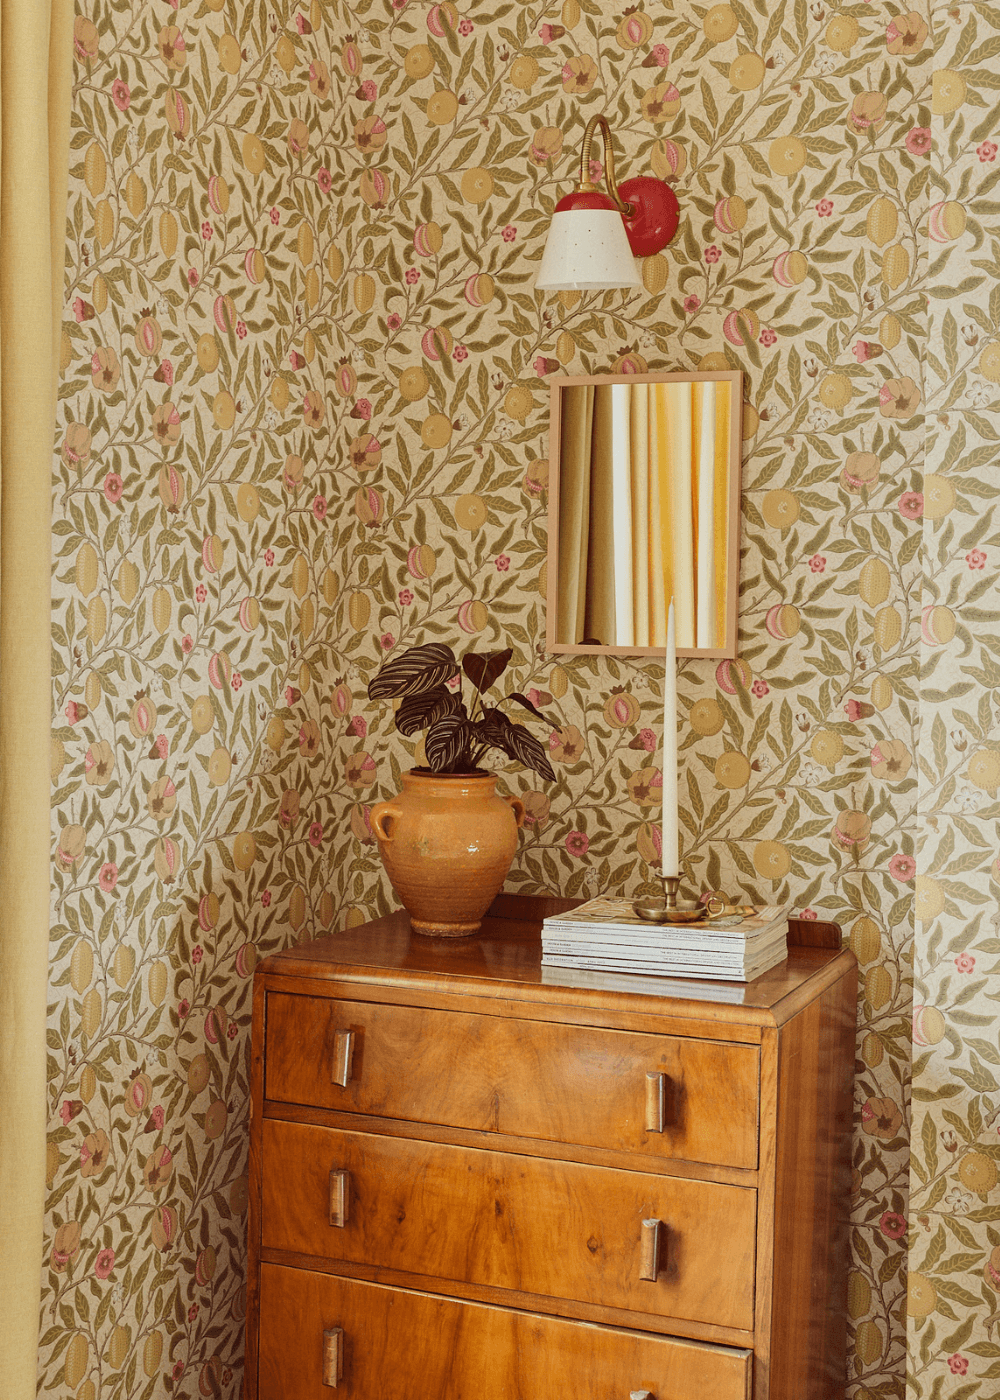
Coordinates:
x,y
333,1356
339,1190
656,1102
343,1057
650,1262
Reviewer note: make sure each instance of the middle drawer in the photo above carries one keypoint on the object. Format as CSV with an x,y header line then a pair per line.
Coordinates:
x,y
550,1228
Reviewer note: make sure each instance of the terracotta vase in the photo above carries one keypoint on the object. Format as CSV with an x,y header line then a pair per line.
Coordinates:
x,y
447,842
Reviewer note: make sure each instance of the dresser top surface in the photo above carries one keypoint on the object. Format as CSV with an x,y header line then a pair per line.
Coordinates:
x,y
505,958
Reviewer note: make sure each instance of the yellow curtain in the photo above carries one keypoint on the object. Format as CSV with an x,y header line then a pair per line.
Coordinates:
x,y
641,516
600,620
723,409
36,54
577,427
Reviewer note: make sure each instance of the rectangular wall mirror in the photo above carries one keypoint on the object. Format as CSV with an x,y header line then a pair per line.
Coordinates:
x,y
644,506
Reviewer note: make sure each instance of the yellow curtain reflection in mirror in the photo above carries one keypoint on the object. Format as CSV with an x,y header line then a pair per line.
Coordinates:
x,y
643,503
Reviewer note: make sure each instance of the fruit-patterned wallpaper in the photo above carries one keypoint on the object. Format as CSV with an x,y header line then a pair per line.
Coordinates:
x,y
303,422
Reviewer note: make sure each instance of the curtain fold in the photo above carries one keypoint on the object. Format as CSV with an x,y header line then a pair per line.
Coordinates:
x,y
577,425
600,619
36,54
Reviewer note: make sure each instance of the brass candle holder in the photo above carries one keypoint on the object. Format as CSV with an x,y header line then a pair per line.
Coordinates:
x,y
675,911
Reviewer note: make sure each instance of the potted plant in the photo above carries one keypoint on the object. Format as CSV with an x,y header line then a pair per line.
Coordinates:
x,y
448,839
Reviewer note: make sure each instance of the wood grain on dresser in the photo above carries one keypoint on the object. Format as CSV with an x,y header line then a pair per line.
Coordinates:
x,y
527,1206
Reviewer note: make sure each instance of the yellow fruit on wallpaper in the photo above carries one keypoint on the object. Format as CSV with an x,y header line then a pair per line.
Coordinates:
x,y
81,968
413,383
307,618
889,331
86,568
523,72
419,61
331,587
230,57
881,692
984,770
948,91
152,1351
470,512
780,509
244,850
787,155
279,393
565,348
477,185
334,263
989,362
842,33
771,860
359,610
746,72
888,628
749,423
248,502
872,1050
878,986
202,714
104,223
868,1343
208,352
732,770
835,391
442,107
939,496
77,1359
254,158
135,194
224,410
157,982
978,1172
168,234
719,24
518,403
285,53
895,266
97,619
921,1295
275,733
714,360
90,1012
866,939
882,221
929,898
305,244
874,582
123,964
706,717
655,271
436,430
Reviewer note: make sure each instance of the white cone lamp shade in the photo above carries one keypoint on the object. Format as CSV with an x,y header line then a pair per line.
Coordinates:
x,y
587,250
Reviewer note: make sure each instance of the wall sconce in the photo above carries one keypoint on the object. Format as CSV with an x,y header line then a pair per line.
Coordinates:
x,y
595,237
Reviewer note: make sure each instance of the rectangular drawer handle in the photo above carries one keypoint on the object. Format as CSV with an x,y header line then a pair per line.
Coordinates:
x,y
333,1356
656,1102
339,1190
650,1262
343,1057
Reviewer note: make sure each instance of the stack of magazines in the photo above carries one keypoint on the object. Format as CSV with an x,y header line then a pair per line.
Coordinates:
x,y
605,935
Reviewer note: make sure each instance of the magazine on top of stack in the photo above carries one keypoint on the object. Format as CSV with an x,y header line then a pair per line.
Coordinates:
x,y
606,935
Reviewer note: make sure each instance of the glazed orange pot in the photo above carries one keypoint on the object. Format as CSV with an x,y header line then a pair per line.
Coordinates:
x,y
447,842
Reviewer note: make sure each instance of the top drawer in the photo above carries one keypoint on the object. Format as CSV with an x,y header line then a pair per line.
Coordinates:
x,y
532,1079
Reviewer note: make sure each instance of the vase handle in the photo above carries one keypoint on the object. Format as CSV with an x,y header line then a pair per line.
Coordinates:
x,y
378,816
518,807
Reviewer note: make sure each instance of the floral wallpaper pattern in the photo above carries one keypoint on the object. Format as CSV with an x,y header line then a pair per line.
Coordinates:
x,y
303,422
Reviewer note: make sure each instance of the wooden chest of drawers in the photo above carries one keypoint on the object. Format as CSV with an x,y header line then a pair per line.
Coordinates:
x,y
475,1177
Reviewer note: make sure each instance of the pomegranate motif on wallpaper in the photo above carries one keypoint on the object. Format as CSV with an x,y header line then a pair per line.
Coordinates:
x,y
303,423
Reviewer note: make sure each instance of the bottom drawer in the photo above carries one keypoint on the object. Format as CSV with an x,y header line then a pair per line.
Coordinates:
x,y
396,1345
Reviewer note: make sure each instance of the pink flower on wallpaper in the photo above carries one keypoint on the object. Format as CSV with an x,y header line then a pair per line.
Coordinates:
x,y
162,745
324,179
268,557
368,90
808,914
183,1007
817,563
70,1108
405,597
192,1312
460,353
918,140
192,277
768,336
577,843
233,1030
465,28
902,867
237,680
503,564
957,1365
201,593
165,374
760,688
824,208
911,505
393,322
712,254
275,215
319,507
660,54
388,641
108,877
362,409
987,151
315,834
120,95
178,1370
965,962
197,953
265,898
187,644
241,330
156,1120
596,171
113,488
691,304
975,559
75,711
105,1263
82,310
207,231
892,1225
412,276
858,709
647,740
509,234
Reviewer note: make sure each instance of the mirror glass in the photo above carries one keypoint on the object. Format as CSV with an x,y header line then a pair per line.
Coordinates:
x,y
644,508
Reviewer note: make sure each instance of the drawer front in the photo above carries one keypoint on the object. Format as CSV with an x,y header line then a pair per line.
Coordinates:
x,y
557,1229
535,1079
389,1344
